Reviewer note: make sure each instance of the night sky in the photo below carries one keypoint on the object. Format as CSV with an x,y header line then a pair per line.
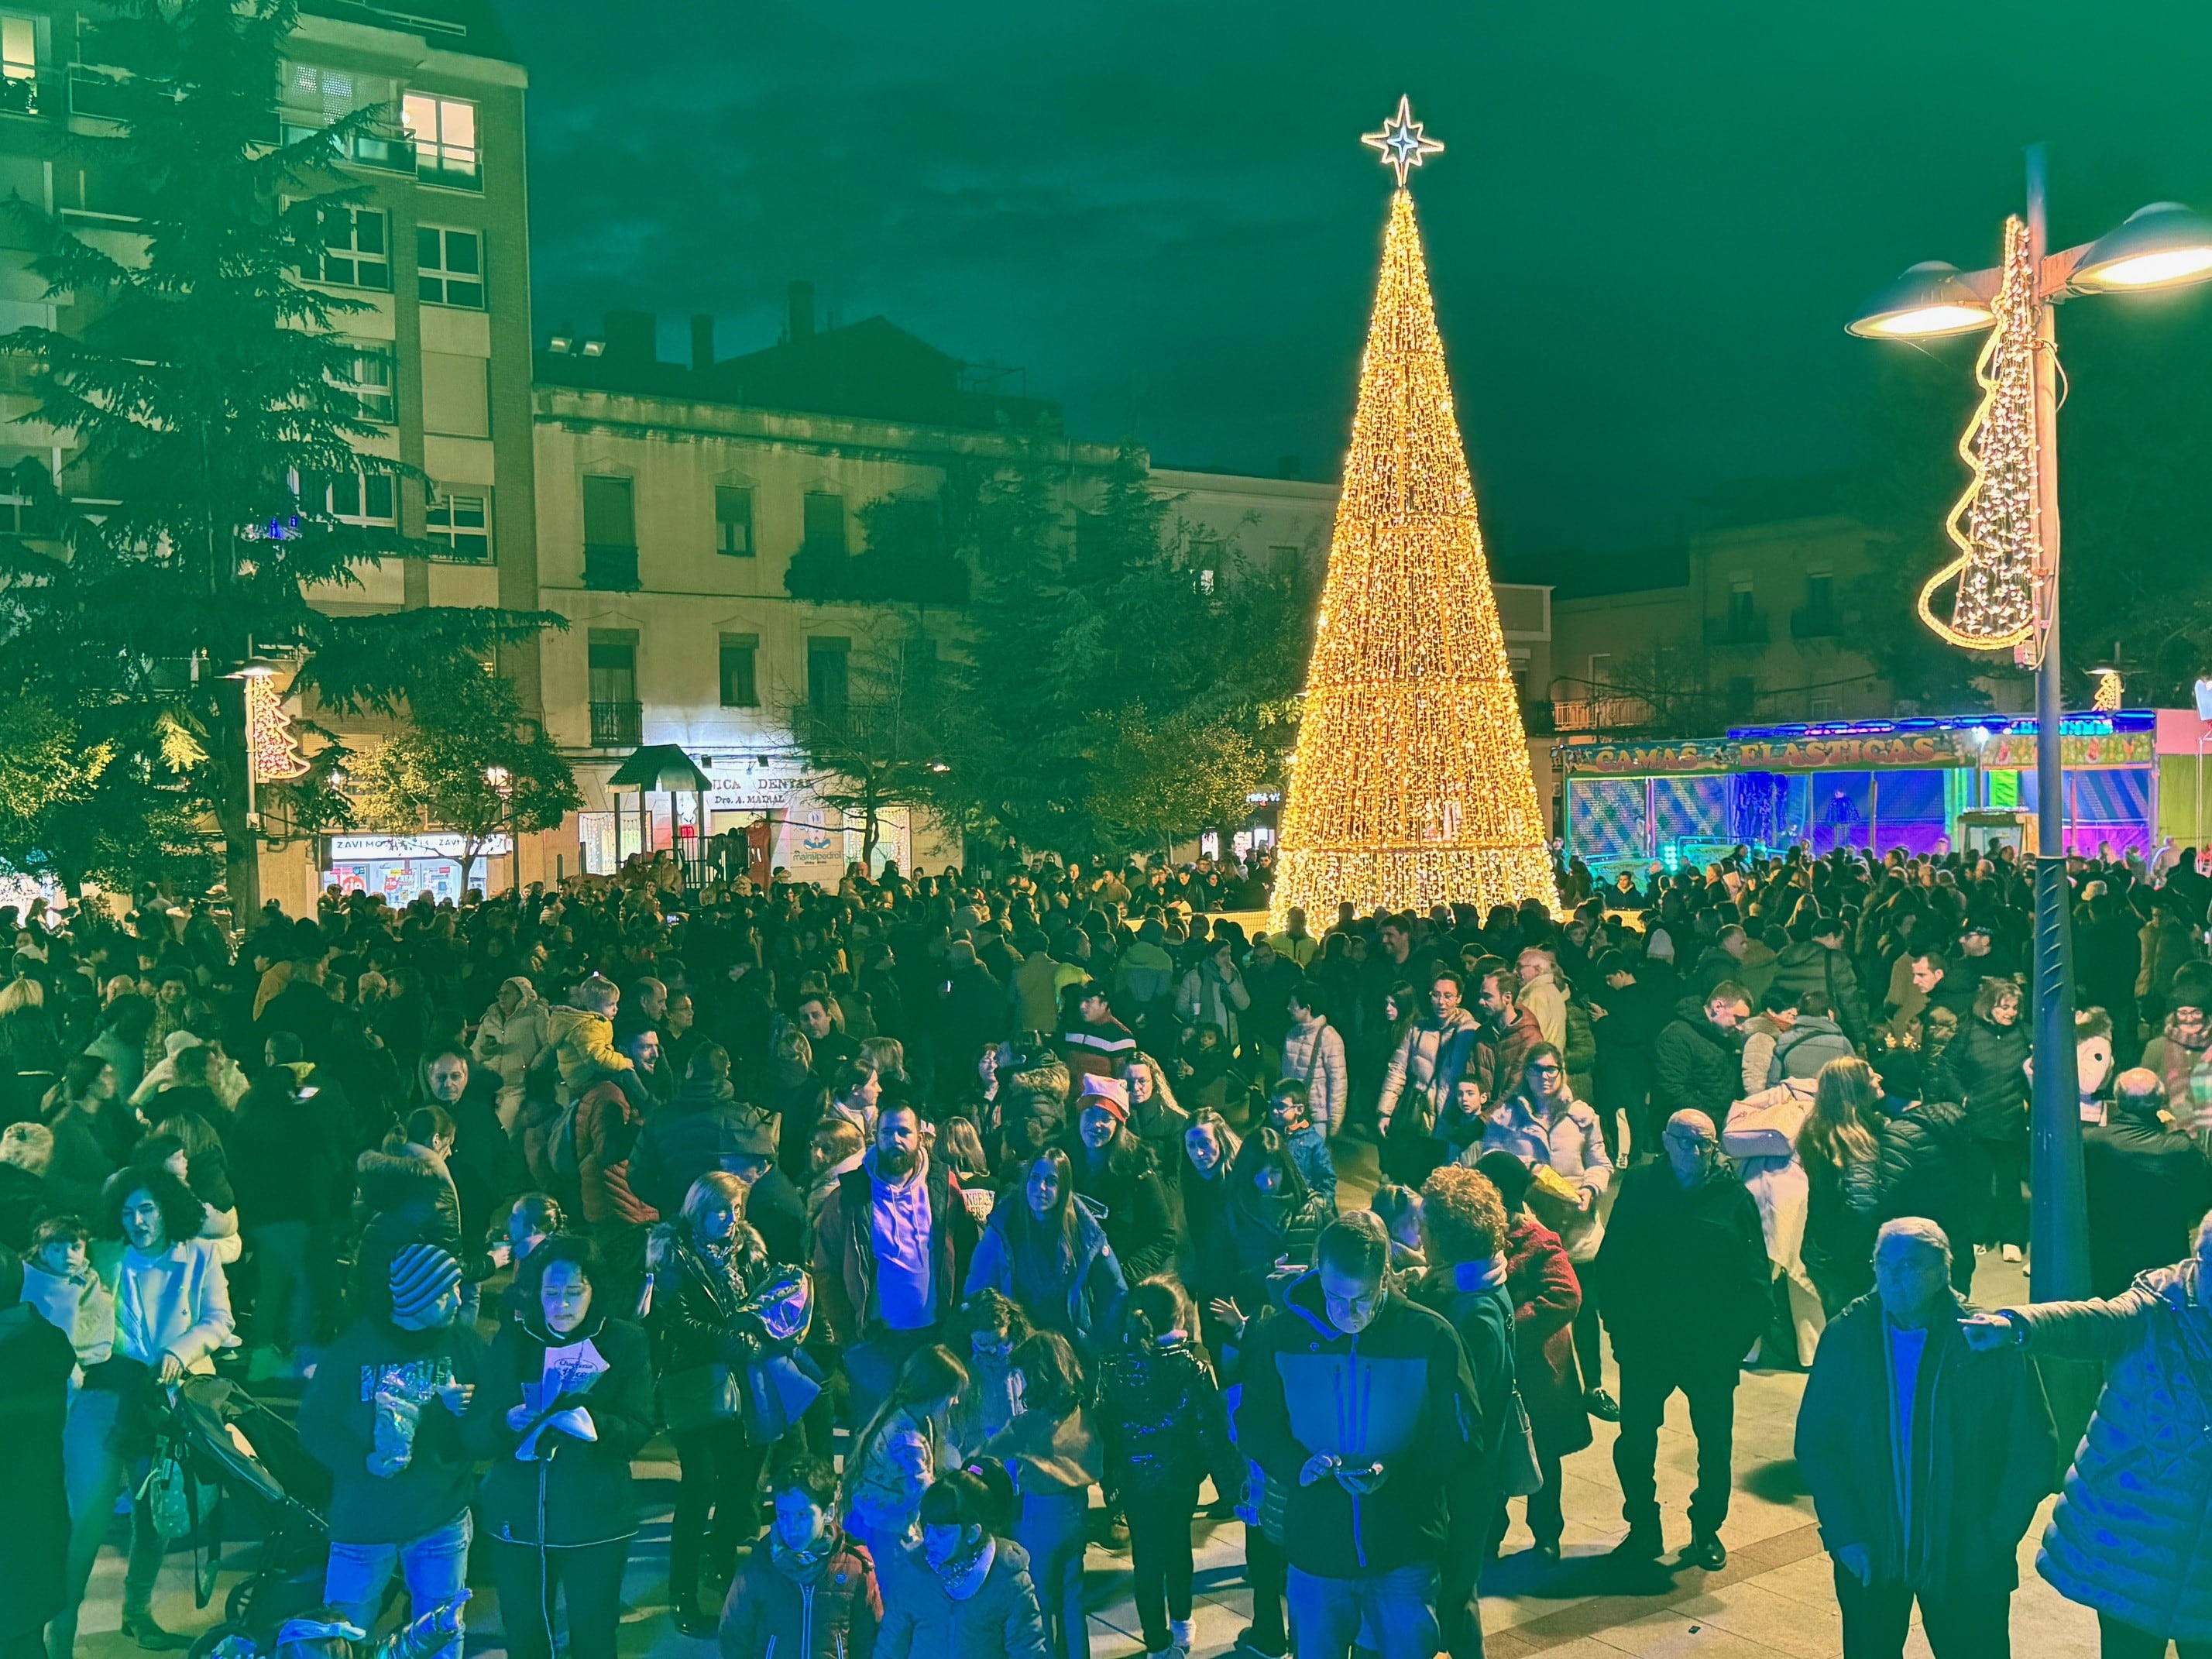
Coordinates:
x,y
1653,218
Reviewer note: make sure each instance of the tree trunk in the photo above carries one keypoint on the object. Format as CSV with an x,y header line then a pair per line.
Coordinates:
x,y
240,845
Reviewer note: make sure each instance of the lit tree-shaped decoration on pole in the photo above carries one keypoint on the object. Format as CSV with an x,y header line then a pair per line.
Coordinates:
x,y
1411,786
1995,525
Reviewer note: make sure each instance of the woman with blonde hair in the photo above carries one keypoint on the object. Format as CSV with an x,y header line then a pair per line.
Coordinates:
x,y
1155,1119
722,1308
1841,1154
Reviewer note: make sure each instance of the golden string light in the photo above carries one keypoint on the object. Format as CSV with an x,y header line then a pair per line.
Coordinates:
x,y
1411,785
1994,526
269,732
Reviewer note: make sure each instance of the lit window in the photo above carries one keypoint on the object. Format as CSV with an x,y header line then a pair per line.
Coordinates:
x,y
445,134
19,64
357,251
371,373
463,523
734,520
360,496
450,267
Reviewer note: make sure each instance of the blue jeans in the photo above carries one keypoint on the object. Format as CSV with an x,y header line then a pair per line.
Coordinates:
x,y
1397,1609
1051,1529
435,1566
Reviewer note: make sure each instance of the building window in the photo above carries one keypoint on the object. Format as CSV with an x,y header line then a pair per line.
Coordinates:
x,y
19,64
828,680
1825,708
609,534
463,523
823,522
370,372
734,520
1742,698
356,249
1740,611
740,665
617,719
449,267
361,497
445,134
1600,670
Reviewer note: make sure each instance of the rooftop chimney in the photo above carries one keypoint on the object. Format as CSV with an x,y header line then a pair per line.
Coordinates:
x,y
802,310
703,342
630,336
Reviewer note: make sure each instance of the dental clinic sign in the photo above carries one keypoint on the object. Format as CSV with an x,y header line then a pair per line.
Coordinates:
x,y
755,783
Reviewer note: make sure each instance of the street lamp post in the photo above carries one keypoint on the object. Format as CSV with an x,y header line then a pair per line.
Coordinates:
x,y
503,780
2161,246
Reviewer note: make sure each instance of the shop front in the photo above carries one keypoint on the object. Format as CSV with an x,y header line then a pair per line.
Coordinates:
x,y
400,868
1924,786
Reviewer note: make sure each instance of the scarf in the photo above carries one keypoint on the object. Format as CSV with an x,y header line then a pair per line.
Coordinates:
x,y
1472,1277
963,1575
2181,1060
805,1566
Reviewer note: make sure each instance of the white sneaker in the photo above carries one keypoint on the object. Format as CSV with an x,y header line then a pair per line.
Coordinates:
x,y
1179,1634
2012,1252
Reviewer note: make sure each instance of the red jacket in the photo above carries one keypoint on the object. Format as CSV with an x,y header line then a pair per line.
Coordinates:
x,y
607,1128
832,1615
1547,1296
845,1247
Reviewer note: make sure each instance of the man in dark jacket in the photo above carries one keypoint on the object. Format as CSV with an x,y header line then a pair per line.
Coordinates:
x,y
2147,1185
1926,1459
1698,1062
890,1252
1683,1287
1625,1021
383,1415
1815,960
1928,1170
1360,1409
282,1170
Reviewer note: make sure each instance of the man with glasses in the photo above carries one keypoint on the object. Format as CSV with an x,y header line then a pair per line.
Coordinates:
x,y
1682,1284
1359,1408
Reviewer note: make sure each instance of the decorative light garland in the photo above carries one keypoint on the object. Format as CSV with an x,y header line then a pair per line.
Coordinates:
x,y
1996,524
1411,786
269,744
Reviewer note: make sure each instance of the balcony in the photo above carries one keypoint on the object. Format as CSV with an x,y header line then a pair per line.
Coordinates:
x,y
610,566
1737,627
1816,622
617,725
98,95
1601,713
386,148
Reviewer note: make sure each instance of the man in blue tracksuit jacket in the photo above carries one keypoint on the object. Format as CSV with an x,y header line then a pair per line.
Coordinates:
x,y
1359,1407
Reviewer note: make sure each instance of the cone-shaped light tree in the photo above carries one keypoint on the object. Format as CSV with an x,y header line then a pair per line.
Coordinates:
x,y
1411,785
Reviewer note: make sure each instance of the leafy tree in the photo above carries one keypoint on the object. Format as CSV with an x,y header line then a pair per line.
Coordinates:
x,y
907,558
200,382
1156,780
468,761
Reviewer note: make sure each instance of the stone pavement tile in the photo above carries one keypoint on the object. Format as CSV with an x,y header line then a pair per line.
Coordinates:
x,y
1749,1609
1670,1634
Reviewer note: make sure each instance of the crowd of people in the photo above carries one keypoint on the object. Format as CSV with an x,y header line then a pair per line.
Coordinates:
x,y
945,1227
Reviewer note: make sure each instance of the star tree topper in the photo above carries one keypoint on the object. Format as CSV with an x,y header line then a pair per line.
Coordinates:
x,y
1403,144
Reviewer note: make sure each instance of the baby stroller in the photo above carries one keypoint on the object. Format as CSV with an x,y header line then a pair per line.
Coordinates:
x,y
276,1496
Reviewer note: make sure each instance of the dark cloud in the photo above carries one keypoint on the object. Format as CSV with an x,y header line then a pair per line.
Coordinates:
x,y
1650,224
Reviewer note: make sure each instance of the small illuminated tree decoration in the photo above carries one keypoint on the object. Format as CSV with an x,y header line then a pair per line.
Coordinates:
x,y
2109,691
1411,785
268,731
1994,526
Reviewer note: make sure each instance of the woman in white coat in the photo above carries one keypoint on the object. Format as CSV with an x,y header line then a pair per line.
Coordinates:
x,y
508,1038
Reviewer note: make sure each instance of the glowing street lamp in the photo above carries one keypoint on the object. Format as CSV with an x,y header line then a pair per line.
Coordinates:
x,y
2162,245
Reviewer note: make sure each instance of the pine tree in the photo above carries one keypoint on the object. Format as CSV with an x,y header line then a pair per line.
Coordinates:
x,y
204,394
1412,785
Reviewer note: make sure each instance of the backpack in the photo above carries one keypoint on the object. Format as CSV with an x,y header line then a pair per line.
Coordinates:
x,y
561,1142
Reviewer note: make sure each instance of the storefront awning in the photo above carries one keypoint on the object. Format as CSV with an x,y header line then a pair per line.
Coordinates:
x,y
659,768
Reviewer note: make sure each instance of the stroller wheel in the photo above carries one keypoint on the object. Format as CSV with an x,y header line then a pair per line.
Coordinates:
x,y
223,1640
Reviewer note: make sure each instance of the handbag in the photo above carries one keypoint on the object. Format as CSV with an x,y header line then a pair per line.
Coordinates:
x,y
699,1395
1766,1125
1519,1474
777,1390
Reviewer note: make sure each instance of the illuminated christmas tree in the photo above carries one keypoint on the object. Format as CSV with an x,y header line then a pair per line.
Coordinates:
x,y
1411,786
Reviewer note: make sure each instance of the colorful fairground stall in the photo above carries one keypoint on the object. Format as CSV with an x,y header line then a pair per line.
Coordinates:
x,y
2132,778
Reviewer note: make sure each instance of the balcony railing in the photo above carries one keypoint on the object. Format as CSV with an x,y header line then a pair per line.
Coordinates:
x,y
1816,622
388,150
610,566
1599,714
617,725
96,95
19,90
1737,627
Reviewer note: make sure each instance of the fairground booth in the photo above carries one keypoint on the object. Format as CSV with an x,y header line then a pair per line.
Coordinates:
x,y
1927,785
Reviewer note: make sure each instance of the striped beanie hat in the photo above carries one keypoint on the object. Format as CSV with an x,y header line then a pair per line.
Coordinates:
x,y
420,1275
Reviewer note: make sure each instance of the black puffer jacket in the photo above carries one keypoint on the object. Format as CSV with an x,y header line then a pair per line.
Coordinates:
x,y
1125,1187
2148,1187
1982,1068
1163,1420
1927,1169
1696,1065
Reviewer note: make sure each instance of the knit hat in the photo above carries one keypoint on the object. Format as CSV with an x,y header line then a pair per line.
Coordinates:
x,y
1110,1092
420,1275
